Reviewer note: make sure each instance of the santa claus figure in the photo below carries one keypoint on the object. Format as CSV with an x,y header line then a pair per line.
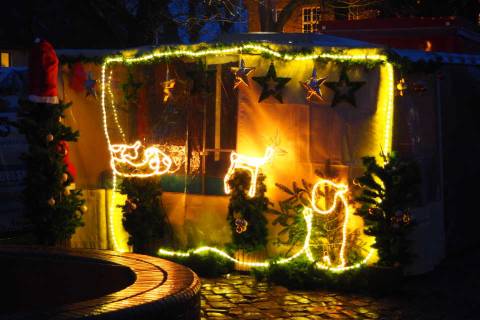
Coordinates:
x,y
43,73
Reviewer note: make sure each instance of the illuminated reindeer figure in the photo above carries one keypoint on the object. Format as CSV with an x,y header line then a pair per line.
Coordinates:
x,y
251,164
126,159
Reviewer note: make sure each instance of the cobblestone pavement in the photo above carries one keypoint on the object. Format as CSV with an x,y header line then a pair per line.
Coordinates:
x,y
241,297
449,292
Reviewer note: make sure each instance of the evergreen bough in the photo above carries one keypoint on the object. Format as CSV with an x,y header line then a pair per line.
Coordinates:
x,y
144,216
53,212
388,192
251,209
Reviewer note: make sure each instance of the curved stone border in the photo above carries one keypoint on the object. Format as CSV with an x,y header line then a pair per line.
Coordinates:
x,y
162,289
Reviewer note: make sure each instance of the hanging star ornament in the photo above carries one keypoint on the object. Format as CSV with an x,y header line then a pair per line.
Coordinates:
x,y
271,84
312,87
90,85
344,89
241,74
167,89
199,77
168,86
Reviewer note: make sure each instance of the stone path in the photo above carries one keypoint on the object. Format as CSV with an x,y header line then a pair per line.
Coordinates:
x,y
241,297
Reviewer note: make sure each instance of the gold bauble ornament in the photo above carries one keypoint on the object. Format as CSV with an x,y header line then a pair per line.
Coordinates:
x,y
50,137
83,208
64,177
133,206
51,202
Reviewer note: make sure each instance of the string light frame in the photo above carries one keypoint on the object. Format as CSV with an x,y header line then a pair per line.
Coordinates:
x,y
251,164
153,162
305,250
248,48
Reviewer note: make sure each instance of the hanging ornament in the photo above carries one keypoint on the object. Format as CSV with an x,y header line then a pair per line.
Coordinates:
x,y
199,78
344,89
271,84
90,85
83,208
49,137
77,77
64,177
241,225
401,87
130,89
63,149
168,85
241,74
312,87
130,204
51,202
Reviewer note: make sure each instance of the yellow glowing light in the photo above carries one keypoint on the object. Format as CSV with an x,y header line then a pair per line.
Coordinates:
x,y
251,164
112,101
167,89
389,91
153,162
308,216
340,190
385,100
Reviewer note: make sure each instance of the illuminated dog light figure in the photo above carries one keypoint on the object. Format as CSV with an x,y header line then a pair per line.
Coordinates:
x,y
127,161
251,164
340,196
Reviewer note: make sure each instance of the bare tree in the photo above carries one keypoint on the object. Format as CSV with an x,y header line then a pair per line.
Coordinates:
x,y
273,20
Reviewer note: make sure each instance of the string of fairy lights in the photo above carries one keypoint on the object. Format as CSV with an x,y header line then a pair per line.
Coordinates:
x,y
154,158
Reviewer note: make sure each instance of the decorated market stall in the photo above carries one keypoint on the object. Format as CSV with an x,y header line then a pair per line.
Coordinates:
x,y
292,108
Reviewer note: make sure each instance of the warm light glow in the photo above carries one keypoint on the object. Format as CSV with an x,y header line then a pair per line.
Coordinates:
x,y
385,103
389,91
114,109
251,164
340,191
127,162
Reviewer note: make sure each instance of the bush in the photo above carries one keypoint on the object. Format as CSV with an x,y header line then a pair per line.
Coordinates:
x,y
302,274
207,264
144,216
388,193
243,209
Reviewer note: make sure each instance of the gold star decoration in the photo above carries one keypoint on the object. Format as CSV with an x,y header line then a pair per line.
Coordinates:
x,y
241,74
168,86
312,87
271,84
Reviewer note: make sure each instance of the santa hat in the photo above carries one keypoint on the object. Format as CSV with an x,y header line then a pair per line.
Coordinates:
x,y
43,73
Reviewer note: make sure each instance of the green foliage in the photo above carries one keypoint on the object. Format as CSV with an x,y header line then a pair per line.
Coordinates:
x,y
250,209
144,216
207,264
52,223
302,274
326,229
388,192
